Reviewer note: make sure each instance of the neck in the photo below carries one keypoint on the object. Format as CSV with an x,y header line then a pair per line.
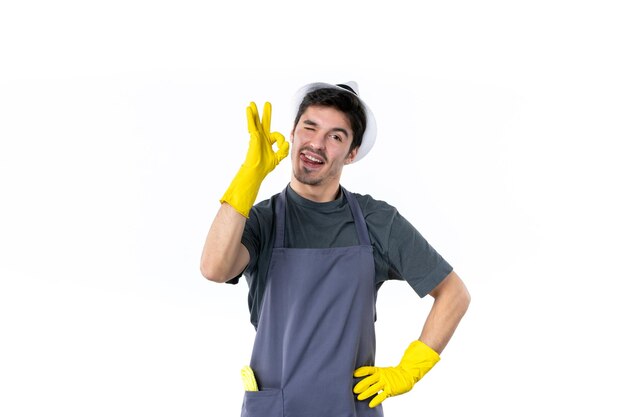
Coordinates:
x,y
318,193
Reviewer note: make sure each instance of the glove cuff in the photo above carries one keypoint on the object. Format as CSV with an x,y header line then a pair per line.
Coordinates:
x,y
418,359
242,191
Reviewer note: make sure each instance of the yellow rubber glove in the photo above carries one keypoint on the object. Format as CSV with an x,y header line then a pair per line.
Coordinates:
x,y
247,376
418,359
260,160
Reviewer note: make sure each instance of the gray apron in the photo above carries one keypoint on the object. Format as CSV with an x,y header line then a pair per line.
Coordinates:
x,y
316,326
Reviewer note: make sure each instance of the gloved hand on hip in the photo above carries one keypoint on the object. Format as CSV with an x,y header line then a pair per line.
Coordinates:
x,y
260,160
418,359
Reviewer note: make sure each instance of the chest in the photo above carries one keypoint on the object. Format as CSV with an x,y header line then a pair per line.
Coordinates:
x,y
312,229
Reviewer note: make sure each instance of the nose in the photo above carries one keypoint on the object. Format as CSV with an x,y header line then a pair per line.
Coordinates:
x,y
317,140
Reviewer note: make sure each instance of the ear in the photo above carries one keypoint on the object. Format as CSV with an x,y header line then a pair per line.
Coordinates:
x,y
351,155
291,136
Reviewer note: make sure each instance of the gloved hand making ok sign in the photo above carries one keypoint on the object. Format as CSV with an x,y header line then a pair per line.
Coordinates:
x,y
260,160
418,359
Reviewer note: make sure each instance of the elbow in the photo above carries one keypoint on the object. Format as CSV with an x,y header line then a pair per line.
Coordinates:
x,y
212,272
453,292
222,266
462,298
465,299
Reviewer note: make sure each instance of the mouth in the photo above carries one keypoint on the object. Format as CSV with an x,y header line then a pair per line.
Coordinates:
x,y
311,160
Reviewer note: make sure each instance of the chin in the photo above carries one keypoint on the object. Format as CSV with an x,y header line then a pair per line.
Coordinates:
x,y
308,180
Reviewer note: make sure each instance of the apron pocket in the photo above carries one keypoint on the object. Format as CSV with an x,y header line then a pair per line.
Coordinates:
x,y
266,403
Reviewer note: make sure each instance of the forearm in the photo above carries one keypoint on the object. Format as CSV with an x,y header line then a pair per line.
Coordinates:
x,y
451,302
223,255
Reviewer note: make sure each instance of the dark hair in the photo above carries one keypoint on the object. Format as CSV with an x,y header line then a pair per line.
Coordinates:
x,y
342,100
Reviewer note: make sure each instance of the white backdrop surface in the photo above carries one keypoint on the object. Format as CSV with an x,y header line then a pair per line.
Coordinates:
x,y
501,131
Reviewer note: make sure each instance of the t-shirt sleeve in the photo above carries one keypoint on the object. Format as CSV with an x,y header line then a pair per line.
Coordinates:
x,y
257,238
413,259
250,239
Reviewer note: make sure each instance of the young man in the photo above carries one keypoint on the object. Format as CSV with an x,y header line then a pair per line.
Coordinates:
x,y
314,256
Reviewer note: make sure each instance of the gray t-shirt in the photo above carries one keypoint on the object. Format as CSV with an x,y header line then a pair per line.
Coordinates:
x,y
400,251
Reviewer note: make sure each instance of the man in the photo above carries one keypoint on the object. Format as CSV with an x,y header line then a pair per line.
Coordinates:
x,y
314,257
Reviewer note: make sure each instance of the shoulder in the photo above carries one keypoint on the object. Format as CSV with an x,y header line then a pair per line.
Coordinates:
x,y
381,217
262,215
265,208
373,207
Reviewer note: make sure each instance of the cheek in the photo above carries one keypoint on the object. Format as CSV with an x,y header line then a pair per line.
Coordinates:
x,y
299,137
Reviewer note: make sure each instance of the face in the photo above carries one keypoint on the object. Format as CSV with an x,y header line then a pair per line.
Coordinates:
x,y
321,143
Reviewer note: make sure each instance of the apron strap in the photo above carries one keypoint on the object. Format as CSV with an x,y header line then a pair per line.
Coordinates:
x,y
279,215
359,220
357,215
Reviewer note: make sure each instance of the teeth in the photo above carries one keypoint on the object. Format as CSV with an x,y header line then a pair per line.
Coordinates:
x,y
310,158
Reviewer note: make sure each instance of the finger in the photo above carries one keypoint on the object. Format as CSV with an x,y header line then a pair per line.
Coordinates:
x,y
364,384
276,138
364,371
372,390
267,117
378,399
283,147
253,118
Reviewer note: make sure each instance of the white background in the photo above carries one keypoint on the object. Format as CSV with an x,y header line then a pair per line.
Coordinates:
x,y
501,126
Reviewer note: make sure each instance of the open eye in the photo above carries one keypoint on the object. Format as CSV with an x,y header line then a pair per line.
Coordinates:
x,y
336,137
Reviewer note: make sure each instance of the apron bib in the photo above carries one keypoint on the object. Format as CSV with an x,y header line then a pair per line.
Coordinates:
x,y
316,326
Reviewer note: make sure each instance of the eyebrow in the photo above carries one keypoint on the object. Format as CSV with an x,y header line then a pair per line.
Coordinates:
x,y
335,129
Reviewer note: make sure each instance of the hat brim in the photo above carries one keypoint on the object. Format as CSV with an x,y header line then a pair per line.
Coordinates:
x,y
369,135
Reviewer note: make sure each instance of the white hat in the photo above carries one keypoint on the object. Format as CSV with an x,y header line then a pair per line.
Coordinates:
x,y
369,135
